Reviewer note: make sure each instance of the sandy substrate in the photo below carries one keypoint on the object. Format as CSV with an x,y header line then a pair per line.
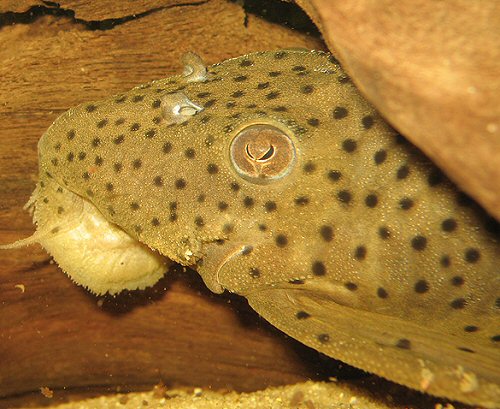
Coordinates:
x,y
308,395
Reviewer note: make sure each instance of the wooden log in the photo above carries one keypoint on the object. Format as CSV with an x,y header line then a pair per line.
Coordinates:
x,y
433,70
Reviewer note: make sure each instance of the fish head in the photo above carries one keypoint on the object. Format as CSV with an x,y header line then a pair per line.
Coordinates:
x,y
202,169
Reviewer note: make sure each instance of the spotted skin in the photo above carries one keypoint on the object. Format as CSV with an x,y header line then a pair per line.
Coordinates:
x,y
363,250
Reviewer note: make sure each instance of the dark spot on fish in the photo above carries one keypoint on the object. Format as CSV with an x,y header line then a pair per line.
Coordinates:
x,y
344,196
307,89
302,315
384,233
234,186
326,233
419,243
351,286
313,122
254,272
158,181
309,167
282,108
248,202
324,338
371,200
449,225
198,220
119,139
360,253
212,168
237,94
167,147
71,134
421,286
209,103
281,240
117,167
136,163
263,85
180,183
367,121
275,74
150,134
301,200
273,95
403,172
445,261
102,123
406,203
403,343
334,175
270,206
471,328
458,303
190,153
98,161
318,268
222,206
382,293
380,157
472,255
109,187
349,145
339,112
246,63
135,127
90,108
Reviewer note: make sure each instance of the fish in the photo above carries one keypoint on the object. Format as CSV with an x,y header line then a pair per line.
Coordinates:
x,y
272,177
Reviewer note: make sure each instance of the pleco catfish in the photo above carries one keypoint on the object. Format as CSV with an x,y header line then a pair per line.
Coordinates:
x,y
273,178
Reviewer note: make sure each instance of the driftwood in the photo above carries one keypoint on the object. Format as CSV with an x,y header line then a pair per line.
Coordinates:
x,y
432,68
53,333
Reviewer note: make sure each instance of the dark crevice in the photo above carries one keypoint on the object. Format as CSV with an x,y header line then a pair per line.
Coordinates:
x,y
276,11
54,9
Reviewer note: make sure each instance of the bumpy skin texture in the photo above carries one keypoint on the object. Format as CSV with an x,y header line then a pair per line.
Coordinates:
x,y
363,250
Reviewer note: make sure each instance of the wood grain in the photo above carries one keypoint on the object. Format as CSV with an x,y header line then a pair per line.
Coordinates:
x,y
432,68
54,333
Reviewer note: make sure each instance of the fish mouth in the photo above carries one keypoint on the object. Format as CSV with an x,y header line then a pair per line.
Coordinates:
x,y
92,251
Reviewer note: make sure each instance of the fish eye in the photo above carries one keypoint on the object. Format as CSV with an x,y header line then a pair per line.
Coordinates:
x,y
262,153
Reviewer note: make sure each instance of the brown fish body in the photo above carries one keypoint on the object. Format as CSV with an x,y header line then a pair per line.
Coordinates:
x,y
273,178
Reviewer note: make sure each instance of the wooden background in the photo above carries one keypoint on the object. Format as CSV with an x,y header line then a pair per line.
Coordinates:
x,y
55,334
419,69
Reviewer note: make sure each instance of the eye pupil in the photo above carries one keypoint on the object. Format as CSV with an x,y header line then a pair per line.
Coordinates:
x,y
262,158
268,154
262,153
